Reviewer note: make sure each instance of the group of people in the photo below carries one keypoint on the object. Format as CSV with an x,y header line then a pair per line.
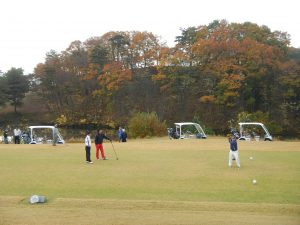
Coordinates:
x,y
100,136
17,136
122,135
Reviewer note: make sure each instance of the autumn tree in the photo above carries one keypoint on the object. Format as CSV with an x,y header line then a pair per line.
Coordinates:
x,y
237,59
17,87
145,48
213,73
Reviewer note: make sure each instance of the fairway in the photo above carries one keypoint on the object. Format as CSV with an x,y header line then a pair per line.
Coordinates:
x,y
155,181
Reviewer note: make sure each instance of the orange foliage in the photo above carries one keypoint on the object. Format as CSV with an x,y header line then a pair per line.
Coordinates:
x,y
39,69
113,75
232,82
207,99
92,71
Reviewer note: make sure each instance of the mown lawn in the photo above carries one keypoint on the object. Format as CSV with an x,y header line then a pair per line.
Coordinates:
x,y
155,181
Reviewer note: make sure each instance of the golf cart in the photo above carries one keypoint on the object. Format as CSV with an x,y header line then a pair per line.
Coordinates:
x,y
186,130
44,134
244,135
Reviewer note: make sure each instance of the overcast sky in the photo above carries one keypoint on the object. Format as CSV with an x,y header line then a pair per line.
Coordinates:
x,y
31,28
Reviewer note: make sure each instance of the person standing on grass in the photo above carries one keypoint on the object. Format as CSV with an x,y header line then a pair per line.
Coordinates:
x,y
5,136
233,153
17,135
120,132
124,135
99,143
88,144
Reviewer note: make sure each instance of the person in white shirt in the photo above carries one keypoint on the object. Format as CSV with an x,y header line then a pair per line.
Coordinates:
x,y
88,144
17,135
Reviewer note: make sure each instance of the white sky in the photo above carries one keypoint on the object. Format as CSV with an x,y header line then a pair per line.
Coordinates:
x,y
31,28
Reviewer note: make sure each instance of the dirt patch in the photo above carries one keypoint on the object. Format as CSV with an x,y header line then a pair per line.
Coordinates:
x,y
13,210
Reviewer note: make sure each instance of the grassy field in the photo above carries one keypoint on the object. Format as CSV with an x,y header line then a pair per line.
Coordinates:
x,y
155,181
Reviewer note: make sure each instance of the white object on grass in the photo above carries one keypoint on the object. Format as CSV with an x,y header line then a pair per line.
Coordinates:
x,y
37,199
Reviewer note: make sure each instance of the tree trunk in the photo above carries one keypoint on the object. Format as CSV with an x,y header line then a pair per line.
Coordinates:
x,y
15,107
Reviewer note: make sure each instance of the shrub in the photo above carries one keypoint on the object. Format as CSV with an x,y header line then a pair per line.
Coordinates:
x,y
146,125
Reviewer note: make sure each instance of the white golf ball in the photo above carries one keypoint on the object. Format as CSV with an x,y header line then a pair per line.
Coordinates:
x,y
254,181
251,157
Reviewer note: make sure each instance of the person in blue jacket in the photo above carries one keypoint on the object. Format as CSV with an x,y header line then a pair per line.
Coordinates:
x,y
233,152
120,131
124,135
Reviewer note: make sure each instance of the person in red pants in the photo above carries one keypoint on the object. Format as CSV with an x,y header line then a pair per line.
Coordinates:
x,y
99,144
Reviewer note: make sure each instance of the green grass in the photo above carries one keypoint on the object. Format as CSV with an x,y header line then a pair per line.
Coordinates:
x,y
155,170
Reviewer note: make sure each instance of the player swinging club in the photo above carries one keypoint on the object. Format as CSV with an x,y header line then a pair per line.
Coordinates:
x,y
233,153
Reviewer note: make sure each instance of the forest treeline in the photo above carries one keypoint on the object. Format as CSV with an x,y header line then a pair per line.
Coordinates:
x,y
216,74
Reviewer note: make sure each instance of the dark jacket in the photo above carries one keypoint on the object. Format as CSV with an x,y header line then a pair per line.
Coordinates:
x,y
233,145
99,138
124,136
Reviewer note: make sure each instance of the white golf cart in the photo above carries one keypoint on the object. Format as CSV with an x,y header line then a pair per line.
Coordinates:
x,y
44,134
186,130
244,135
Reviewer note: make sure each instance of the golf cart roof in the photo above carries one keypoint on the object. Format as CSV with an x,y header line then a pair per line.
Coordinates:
x,y
251,123
185,123
41,127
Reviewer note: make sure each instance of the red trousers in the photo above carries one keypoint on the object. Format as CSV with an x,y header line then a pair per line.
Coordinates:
x,y
99,146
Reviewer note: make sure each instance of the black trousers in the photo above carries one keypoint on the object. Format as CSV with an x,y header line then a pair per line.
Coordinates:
x,y
88,153
17,139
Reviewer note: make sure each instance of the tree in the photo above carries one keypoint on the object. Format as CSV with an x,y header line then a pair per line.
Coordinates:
x,y
289,97
185,42
219,69
241,56
145,48
3,90
17,86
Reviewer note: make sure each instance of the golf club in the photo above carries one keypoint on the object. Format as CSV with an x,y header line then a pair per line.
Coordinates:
x,y
114,150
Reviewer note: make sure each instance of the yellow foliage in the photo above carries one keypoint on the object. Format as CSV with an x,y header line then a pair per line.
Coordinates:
x,y
230,94
158,77
82,121
62,119
207,99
